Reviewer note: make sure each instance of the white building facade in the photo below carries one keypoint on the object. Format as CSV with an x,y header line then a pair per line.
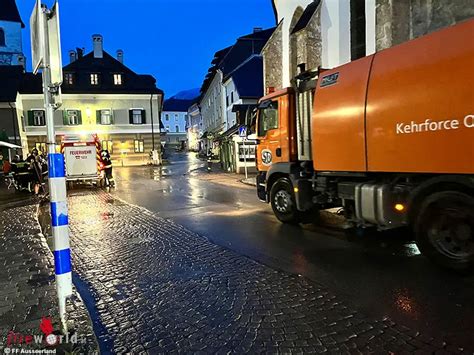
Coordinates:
x,y
174,123
97,99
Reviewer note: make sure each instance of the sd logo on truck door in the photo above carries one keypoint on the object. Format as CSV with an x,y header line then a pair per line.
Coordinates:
x,y
266,157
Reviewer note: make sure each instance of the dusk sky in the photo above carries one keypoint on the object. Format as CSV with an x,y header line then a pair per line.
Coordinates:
x,y
174,40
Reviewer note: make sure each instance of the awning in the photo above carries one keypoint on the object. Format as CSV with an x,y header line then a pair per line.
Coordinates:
x,y
232,130
9,145
244,108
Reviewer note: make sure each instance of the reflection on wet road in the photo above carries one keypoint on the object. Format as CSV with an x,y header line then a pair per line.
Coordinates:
x,y
381,274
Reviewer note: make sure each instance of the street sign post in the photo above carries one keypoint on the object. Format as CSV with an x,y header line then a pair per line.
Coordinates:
x,y
243,135
46,50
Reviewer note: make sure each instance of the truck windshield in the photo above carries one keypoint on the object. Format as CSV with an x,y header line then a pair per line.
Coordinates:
x,y
268,119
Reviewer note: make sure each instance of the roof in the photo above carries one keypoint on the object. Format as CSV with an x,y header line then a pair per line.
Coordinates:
x,y
11,78
248,78
228,59
177,105
10,12
244,48
82,68
306,16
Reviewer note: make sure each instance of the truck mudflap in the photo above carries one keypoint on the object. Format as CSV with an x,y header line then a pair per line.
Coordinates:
x,y
303,194
262,186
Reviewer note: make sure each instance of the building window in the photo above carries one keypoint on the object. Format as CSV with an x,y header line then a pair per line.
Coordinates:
x,y
41,147
167,117
139,146
177,129
117,79
232,97
227,100
167,128
104,117
36,118
137,116
72,118
107,145
94,79
69,78
2,38
358,28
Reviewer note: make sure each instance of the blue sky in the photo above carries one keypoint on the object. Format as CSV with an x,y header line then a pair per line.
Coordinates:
x,y
174,40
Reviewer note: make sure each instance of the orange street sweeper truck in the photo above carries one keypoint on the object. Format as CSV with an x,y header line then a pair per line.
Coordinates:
x,y
388,137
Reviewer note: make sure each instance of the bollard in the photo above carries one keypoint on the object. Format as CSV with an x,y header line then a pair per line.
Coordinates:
x,y
59,222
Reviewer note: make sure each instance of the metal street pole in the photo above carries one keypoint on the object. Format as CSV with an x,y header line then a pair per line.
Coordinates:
x,y
245,158
57,181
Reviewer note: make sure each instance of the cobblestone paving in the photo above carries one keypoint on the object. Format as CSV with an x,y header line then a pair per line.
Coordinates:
x,y
27,288
162,289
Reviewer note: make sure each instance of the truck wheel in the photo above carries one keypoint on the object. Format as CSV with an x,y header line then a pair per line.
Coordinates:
x,y
283,201
445,229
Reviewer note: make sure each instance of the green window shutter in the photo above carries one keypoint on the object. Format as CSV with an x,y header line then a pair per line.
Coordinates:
x,y
79,117
65,119
97,116
30,118
130,116
143,116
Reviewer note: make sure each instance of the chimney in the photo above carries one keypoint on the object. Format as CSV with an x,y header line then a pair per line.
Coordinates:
x,y
72,56
97,42
80,53
120,55
257,29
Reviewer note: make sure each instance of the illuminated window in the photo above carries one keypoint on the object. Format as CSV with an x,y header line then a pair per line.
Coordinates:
x,y
94,79
117,79
107,145
41,147
68,78
139,146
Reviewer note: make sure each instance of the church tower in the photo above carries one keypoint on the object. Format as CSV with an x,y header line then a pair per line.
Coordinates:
x,y
11,49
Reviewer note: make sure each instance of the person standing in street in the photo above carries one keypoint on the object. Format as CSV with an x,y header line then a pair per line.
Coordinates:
x,y
35,170
107,161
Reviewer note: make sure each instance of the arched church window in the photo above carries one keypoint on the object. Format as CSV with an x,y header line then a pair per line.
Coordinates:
x,y
2,37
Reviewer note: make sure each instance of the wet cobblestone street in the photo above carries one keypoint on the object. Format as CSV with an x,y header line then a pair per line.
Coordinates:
x,y
27,286
158,287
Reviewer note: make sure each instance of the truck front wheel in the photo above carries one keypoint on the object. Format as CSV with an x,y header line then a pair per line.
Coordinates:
x,y
283,202
445,229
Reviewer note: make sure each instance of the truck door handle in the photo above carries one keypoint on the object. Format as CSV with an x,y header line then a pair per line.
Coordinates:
x,y
278,152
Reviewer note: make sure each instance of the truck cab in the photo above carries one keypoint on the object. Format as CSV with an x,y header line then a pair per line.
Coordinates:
x,y
276,134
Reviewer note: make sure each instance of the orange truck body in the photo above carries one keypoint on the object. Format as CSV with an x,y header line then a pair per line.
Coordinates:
x,y
409,108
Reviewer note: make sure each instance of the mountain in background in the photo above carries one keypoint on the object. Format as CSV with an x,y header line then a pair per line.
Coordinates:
x,y
187,94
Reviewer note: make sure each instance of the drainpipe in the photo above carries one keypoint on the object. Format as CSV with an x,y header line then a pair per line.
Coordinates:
x,y
13,121
152,127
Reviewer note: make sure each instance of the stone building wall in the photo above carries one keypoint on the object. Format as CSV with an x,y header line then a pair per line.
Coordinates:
x,y
306,45
273,60
400,21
